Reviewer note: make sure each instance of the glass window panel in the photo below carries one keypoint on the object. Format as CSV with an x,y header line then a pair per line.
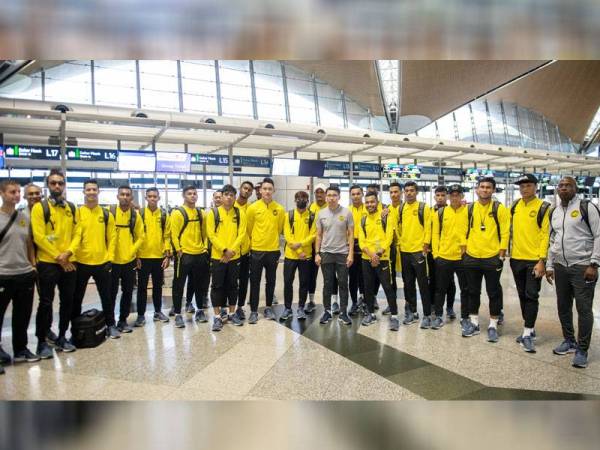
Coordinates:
x,y
358,117
330,105
115,83
158,83
446,127
269,90
236,91
465,127
69,82
300,95
481,122
199,86
428,131
497,123
28,88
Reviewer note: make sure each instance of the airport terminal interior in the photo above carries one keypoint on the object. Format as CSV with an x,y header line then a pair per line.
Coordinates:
x,y
209,123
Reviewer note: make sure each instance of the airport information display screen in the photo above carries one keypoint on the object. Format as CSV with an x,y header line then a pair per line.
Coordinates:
x,y
1,157
311,168
392,170
286,167
475,174
173,162
136,162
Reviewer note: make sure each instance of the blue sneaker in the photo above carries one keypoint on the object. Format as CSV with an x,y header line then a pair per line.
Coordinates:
x,y
241,313
394,324
492,334
5,358
223,314
464,323
353,310
300,314
287,314
217,324
179,323
580,359
527,344
450,313
409,317
253,317
567,346
200,316
235,320
426,322
326,317
437,323
343,317
520,338
269,314
369,319
310,307
335,308
470,330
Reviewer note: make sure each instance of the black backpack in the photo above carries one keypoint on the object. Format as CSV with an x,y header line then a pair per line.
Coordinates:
x,y
163,218
132,219
46,211
421,213
236,211
495,206
583,210
89,329
311,219
363,224
186,220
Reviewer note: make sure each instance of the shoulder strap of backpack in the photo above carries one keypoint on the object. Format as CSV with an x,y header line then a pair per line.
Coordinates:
x,y
311,219
440,213
46,211
12,219
199,211
186,220
495,206
113,210
105,214
542,213
163,219
215,211
513,207
143,217
470,208
132,220
291,219
236,211
384,223
421,213
552,208
584,209
400,210
73,209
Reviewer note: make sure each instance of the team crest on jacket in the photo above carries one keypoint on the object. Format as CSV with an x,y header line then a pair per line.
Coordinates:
x,y
574,213
491,214
101,219
415,212
68,213
341,218
274,212
306,220
378,222
22,223
532,213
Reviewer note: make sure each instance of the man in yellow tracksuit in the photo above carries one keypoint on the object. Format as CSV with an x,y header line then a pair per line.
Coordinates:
x,y
414,222
447,255
314,208
356,284
153,256
226,229
130,237
188,236
94,243
53,227
300,230
530,237
484,239
265,224
376,237
242,203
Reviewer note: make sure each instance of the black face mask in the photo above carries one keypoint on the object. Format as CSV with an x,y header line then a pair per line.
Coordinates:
x,y
55,195
301,204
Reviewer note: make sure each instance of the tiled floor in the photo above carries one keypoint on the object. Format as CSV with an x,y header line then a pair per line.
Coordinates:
x,y
293,360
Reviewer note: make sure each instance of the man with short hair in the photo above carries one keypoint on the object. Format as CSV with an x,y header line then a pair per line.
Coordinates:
x,y
334,246
153,257
265,221
17,271
257,191
53,227
299,230
530,235
188,237
130,237
94,243
573,260
441,201
446,226
484,238
242,203
217,198
414,222
33,195
226,228
376,237
356,283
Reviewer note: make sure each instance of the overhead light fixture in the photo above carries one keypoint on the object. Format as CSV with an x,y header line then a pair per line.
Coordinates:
x,y
210,120
62,108
139,114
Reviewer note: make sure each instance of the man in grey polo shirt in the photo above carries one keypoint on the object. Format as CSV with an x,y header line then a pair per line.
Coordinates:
x,y
335,239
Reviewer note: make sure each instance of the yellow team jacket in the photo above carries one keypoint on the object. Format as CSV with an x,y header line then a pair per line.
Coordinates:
x,y
447,246
375,238
246,242
228,235
265,224
193,239
357,214
158,241
529,241
56,236
127,245
95,242
484,243
301,234
315,208
413,235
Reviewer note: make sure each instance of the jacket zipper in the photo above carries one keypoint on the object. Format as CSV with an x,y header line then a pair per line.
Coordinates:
x,y
563,237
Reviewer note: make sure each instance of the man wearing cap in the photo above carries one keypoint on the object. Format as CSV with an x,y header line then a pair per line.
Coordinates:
x,y
314,208
530,236
447,256
484,236
573,259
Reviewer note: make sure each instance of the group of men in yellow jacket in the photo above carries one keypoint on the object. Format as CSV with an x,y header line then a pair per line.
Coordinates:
x,y
236,241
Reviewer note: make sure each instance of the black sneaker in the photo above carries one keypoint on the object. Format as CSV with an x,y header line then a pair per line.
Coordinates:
x,y
172,312
241,313
51,337
26,355
179,323
44,351
223,314
160,317
287,314
269,314
200,316
253,317
140,321
335,308
343,317
450,314
310,307
124,327
5,358
189,308
353,310
64,345
235,320
326,317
